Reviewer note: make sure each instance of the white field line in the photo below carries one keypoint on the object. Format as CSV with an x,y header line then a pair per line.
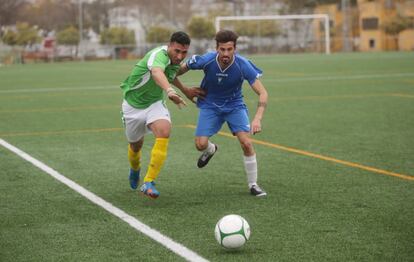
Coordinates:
x,y
61,89
132,221
344,77
285,79
276,79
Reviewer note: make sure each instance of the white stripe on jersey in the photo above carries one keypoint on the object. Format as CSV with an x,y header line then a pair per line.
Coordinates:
x,y
145,79
153,54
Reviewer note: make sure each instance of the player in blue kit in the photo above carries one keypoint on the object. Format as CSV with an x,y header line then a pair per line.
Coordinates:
x,y
224,73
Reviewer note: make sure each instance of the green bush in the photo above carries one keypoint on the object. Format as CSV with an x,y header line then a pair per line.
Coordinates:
x,y
200,27
68,36
118,36
24,34
159,34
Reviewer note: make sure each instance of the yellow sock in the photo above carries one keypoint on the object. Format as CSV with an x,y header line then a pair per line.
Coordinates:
x,y
158,156
134,158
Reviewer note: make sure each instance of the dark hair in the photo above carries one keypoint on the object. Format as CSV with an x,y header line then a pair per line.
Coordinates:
x,y
181,38
224,36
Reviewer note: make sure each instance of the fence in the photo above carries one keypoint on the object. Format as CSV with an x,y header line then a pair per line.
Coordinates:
x,y
283,43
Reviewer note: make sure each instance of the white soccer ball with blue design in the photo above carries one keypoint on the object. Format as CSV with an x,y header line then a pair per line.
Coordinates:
x,y
232,231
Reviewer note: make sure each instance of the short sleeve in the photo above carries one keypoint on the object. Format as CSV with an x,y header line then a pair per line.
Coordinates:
x,y
158,59
250,71
197,62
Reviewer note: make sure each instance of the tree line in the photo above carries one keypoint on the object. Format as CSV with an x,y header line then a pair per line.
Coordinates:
x,y
158,19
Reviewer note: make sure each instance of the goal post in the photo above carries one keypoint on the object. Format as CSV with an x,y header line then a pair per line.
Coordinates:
x,y
323,17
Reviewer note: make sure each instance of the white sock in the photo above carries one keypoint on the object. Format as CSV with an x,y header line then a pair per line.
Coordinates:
x,y
250,166
210,148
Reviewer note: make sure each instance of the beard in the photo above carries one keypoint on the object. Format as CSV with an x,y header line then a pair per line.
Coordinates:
x,y
225,60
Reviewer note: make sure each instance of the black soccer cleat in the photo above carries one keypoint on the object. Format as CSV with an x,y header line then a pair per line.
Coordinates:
x,y
255,190
205,157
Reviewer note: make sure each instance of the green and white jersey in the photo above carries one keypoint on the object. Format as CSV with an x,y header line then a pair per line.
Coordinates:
x,y
140,89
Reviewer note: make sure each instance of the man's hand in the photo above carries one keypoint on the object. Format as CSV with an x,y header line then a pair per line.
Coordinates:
x,y
256,126
193,93
173,96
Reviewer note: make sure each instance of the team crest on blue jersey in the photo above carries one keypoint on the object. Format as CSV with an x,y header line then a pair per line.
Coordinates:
x,y
220,77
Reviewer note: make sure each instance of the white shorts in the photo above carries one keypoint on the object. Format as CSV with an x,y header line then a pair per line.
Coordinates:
x,y
136,120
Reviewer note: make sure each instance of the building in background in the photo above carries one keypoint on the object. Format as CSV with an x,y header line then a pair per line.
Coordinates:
x,y
406,37
364,25
375,16
338,35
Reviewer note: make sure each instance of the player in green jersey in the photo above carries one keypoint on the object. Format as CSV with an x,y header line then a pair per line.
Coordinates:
x,y
144,108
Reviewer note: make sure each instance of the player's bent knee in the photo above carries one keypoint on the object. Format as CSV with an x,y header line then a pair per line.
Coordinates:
x,y
161,132
161,128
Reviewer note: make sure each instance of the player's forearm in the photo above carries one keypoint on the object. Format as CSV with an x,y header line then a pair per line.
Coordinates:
x,y
160,78
261,107
177,83
263,96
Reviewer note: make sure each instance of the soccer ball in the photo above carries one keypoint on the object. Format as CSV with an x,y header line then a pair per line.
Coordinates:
x,y
232,231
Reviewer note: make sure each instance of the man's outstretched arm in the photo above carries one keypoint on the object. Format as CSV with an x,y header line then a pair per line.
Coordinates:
x,y
260,90
162,81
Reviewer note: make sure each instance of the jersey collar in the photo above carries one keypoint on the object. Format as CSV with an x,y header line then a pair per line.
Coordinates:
x,y
218,63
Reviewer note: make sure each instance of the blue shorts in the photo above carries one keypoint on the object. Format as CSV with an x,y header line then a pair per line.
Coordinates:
x,y
210,120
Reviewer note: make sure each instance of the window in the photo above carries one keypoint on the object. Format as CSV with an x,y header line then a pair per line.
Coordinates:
x,y
410,22
372,43
370,23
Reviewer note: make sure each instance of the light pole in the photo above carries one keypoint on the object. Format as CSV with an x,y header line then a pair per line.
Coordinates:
x,y
171,10
345,25
80,47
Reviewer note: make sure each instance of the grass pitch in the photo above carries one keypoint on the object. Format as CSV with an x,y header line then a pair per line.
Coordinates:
x,y
336,157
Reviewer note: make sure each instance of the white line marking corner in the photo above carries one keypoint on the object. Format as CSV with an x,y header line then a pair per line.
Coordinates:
x,y
175,247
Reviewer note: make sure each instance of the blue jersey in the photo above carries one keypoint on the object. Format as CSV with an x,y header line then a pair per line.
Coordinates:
x,y
223,86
